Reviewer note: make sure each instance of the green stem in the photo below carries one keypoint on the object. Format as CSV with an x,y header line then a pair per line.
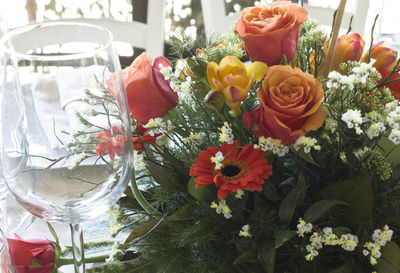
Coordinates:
x,y
95,259
141,200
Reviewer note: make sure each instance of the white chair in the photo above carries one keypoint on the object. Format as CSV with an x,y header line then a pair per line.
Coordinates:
x,y
148,36
216,19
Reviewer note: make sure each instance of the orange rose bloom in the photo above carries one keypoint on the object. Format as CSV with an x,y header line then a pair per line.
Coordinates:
x,y
290,105
270,32
149,94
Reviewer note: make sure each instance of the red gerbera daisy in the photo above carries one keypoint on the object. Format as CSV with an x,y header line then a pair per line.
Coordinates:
x,y
243,168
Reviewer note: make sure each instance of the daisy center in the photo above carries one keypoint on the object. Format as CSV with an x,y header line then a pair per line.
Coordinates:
x,y
234,169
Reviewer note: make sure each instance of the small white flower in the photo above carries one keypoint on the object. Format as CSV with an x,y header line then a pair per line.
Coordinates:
x,y
222,207
194,139
218,160
76,159
395,136
270,144
307,143
350,242
138,161
245,232
226,134
239,194
352,118
375,129
303,228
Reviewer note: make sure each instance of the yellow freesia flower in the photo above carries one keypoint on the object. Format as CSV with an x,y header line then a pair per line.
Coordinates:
x,y
233,80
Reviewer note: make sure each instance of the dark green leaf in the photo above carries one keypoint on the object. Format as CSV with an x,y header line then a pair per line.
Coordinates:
x,y
266,255
289,204
187,212
205,194
390,259
319,208
343,269
283,236
270,191
355,192
248,256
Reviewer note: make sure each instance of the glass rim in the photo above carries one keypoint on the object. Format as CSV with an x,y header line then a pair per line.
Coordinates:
x,y
9,48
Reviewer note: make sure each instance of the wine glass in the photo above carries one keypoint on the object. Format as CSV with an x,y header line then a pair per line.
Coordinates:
x,y
67,149
19,219
6,264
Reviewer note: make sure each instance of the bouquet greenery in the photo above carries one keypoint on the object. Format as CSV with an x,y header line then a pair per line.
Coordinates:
x,y
289,164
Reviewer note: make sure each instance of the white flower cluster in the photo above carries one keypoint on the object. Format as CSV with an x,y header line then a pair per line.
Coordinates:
x,y
270,144
337,80
353,119
393,120
158,126
138,161
307,143
194,139
222,207
362,72
218,160
226,134
380,239
245,232
359,75
176,82
318,239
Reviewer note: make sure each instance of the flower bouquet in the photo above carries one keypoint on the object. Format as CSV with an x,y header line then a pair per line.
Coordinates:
x,y
288,164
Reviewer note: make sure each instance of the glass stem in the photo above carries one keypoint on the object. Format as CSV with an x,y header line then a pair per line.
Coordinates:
x,y
77,248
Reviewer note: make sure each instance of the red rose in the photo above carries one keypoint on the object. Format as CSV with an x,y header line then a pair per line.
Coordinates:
x,y
149,94
25,253
270,32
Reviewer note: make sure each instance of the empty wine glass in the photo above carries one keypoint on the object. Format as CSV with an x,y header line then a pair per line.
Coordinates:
x,y
67,149
18,219
6,264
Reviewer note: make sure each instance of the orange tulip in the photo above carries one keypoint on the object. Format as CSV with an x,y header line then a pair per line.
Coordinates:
x,y
385,57
233,80
348,48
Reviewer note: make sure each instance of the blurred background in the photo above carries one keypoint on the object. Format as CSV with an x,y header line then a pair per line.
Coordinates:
x,y
180,15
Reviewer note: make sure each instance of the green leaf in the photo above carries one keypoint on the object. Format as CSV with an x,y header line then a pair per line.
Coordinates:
x,y
270,192
248,256
390,259
318,209
143,229
187,212
289,204
266,255
283,236
357,193
343,269
390,151
205,194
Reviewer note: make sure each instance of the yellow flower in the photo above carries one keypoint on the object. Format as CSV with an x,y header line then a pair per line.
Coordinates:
x,y
233,80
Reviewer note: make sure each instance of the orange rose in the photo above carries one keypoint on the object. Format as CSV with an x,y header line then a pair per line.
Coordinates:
x,y
149,94
270,32
290,105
